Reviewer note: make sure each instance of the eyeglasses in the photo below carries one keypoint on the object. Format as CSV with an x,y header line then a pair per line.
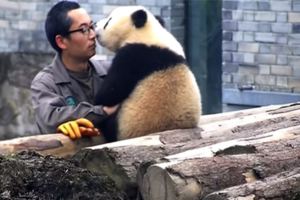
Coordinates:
x,y
85,30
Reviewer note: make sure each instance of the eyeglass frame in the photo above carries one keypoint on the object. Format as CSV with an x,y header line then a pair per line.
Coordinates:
x,y
84,30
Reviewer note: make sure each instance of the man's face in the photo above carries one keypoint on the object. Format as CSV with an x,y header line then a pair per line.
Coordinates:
x,y
81,42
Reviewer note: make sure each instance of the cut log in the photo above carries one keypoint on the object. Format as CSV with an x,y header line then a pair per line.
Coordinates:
x,y
222,124
211,118
120,160
196,173
264,118
285,185
124,157
48,144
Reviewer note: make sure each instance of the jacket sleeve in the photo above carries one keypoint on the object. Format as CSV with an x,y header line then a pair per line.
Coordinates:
x,y
51,110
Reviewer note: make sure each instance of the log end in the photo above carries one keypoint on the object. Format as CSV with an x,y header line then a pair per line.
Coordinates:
x,y
102,161
158,184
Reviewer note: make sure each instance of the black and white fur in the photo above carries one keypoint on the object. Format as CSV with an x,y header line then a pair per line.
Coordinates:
x,y
149,77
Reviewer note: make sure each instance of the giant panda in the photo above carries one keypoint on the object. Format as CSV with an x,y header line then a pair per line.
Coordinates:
x,y
148,78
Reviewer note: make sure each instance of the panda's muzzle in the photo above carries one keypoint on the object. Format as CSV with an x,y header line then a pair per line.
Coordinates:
x,y
97,31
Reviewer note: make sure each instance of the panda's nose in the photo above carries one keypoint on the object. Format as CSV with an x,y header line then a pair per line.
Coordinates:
x,y
97,31
98,36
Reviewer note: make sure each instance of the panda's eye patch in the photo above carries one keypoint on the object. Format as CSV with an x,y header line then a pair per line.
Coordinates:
x,y
105,25
84,30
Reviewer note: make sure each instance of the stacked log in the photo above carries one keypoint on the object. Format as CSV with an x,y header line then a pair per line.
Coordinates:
x,y
195,173
55,144
284,185
153,163
231,155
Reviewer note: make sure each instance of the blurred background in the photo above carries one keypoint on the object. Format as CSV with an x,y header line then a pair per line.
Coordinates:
x,y
244,53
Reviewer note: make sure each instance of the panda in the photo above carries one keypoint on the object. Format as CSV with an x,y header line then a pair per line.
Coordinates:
x,y
148,78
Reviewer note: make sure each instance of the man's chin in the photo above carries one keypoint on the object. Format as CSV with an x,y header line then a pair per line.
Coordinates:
x,y
92,54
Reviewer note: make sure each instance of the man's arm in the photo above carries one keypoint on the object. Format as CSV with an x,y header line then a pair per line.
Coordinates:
x,y
51,109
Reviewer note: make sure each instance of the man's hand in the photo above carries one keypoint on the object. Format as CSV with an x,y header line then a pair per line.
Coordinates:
x,y
78,128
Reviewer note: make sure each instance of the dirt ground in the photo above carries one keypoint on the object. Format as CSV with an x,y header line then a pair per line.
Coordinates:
x,y
28,175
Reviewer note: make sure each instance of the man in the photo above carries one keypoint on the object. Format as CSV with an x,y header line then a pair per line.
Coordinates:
x,y
63,93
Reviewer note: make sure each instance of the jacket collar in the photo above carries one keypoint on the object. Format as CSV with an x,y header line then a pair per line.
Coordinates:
x,y
61,75
59,71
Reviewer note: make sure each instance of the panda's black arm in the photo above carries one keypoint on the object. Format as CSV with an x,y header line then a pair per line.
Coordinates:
x,y
131,64
116,87
122,77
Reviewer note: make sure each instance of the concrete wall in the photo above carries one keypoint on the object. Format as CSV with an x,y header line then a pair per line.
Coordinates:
x,y
24,50
261,51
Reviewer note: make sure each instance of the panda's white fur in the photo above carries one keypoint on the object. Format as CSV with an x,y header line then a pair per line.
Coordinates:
x,y
165,97
121,31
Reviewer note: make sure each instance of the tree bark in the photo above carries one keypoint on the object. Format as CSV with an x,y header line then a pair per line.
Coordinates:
x,y
48,144
125,157
120,160
262,118
224,125
198,172
285,185
240,113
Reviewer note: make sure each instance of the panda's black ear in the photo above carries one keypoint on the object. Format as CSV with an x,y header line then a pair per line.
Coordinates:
x,y
139,18
160,20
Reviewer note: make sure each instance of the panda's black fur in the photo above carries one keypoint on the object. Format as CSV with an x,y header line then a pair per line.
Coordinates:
x,y
131,64
149,78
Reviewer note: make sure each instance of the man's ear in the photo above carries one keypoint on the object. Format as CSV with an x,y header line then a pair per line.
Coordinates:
x,y
60,41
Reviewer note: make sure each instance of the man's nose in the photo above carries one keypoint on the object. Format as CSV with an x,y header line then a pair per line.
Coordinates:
x,y
92,33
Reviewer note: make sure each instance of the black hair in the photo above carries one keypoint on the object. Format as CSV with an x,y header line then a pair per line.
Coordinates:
x,y
58,22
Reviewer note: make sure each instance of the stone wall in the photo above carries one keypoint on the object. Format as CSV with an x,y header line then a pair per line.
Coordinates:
x,y
16,71
22,22
261,51
24,50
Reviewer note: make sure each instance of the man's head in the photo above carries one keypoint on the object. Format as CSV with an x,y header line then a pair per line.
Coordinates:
x,y
69,29
58,22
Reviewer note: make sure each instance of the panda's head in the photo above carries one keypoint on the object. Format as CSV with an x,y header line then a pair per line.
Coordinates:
x,y
134,24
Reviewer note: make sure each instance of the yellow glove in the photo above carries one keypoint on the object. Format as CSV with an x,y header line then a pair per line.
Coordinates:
x,y
77,128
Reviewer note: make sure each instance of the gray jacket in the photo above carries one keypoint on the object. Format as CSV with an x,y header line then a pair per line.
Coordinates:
x,y
57,98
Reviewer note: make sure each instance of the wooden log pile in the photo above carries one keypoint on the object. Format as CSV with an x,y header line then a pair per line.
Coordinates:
x,y
55,144
247,154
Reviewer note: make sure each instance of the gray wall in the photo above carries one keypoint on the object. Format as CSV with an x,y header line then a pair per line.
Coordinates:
x,y
24,50
261,51
22,21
